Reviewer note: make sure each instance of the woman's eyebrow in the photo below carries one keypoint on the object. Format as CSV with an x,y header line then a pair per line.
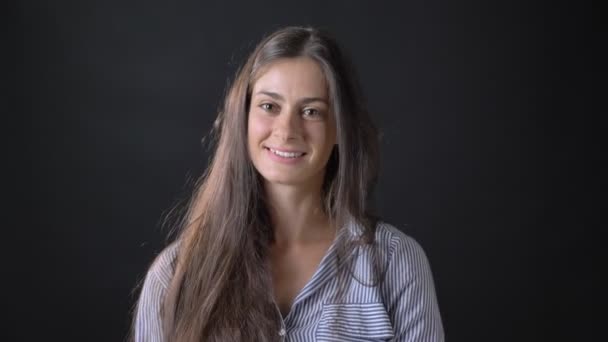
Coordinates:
x,y
271,94
313,99
278,97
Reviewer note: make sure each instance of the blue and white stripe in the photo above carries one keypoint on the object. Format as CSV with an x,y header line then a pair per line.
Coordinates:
x,y
401,308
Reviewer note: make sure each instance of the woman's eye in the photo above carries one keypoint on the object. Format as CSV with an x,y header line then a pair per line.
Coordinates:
x,y
311,112
267,107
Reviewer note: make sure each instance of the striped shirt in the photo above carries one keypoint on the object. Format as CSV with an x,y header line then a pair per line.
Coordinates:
x,y
401,308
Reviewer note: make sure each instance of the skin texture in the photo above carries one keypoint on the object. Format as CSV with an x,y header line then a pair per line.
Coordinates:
x,y
290,111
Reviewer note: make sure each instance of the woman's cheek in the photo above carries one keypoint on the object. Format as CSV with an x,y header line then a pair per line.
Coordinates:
x,y
259,126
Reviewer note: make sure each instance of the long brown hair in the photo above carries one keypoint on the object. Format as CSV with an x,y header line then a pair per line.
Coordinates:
x,y
220,289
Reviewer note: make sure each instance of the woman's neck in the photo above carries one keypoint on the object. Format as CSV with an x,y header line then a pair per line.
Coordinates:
x,y
297,215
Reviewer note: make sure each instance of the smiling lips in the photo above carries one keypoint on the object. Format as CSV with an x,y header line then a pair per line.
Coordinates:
x,y
285,154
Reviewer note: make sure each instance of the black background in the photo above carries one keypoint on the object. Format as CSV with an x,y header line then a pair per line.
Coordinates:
x,y
482,108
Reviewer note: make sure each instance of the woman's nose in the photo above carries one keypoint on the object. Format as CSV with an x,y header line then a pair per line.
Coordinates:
x,y
287,124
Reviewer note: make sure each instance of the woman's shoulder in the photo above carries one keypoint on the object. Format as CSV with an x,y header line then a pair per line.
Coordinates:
x,y
408,289
388,234
163,266
399,247
148,322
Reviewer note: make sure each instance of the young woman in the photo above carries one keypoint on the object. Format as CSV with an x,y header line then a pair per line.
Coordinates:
x,y
278,243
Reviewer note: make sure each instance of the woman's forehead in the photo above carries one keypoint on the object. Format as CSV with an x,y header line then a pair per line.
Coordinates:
x,y
292,77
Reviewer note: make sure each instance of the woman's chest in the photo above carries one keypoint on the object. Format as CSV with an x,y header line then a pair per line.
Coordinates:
x,y
339,322
292,271
333,306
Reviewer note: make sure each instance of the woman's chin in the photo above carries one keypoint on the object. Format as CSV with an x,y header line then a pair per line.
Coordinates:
x,y
283,181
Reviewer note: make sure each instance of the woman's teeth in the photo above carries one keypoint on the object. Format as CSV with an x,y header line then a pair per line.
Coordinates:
x,y
287,154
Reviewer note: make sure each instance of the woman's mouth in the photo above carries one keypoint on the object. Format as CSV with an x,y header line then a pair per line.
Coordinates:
x,y
285,156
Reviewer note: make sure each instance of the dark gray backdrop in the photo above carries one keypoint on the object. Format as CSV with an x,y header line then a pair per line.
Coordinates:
x,y
477,151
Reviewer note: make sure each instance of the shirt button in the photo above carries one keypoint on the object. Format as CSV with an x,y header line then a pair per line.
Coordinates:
x,y
282,332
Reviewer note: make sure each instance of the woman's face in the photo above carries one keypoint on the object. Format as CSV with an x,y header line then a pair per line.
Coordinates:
x,y
291,130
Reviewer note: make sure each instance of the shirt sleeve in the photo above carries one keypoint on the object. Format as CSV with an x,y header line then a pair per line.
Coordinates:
x,y
410,291
148,324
